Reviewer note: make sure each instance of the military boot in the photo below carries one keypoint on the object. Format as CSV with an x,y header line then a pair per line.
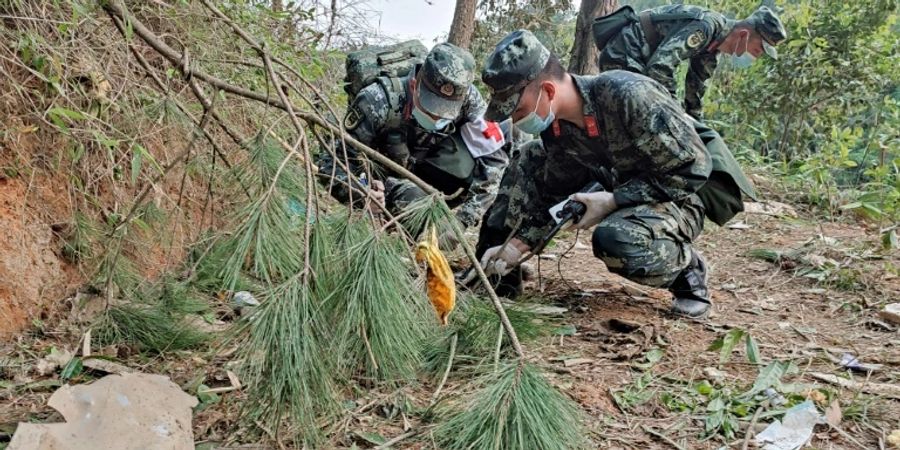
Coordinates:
x,y
690,291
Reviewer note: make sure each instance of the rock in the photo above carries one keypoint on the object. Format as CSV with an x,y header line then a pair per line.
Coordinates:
x,y
891,313
714,374
56,359
127,411
893,439
244,298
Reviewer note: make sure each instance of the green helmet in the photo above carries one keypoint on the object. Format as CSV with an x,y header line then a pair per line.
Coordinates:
x,y
446,75
769,27
516,61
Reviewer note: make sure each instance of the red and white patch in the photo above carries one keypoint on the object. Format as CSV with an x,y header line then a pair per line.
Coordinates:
x,y
482,137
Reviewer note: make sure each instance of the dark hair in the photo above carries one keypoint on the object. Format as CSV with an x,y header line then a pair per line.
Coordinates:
x,y
553,70
744,25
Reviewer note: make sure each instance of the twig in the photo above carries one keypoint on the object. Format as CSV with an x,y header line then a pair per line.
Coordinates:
x,y
847,436
663,437
369,347
752,425
437,392
397,439
497,348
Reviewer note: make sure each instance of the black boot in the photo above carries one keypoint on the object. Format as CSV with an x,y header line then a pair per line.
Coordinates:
x,y
690,290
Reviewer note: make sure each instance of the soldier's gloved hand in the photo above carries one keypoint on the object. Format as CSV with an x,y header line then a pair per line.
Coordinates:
x,y
502,259
376,192
599,205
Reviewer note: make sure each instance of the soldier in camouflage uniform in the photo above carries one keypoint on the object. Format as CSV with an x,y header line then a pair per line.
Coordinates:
x,y
649,215
412,118
658,40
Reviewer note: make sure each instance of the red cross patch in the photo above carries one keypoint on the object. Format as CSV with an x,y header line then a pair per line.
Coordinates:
x,y
492,131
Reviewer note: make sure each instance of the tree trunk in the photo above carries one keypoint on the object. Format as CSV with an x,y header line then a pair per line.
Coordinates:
x,y
583,59
463,24
278,5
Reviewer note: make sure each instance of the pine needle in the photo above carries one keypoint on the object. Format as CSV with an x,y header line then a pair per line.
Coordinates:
x,y
151,328
286,369
380,320
476,325
514,409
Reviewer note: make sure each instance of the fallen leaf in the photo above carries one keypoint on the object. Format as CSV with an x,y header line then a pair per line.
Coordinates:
x,y
833,413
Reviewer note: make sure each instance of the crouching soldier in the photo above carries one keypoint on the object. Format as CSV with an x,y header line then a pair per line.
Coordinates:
x,y
429,121
668,172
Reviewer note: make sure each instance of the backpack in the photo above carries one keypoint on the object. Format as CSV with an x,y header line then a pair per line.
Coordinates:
x,y
605,27
367,65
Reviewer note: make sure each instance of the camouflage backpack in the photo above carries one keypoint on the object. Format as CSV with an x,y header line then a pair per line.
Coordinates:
x,y
373,63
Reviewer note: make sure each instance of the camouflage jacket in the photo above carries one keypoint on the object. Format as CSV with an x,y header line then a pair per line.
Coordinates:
x,y
634,129
385,123
683,33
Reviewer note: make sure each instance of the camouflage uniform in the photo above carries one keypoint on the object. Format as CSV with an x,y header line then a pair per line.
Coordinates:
x,y
380,116
681,33
659,162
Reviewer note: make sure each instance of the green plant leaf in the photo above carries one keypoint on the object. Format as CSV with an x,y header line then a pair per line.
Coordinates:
x,y
72,369
725,345
752,350
770,376
135,167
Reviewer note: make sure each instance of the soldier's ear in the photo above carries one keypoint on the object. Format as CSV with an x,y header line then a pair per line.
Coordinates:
x,y
550,88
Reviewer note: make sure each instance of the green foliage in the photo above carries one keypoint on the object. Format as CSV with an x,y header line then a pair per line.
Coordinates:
x,y
552,21
827,110
153,328
285,367
477,328
514,408
380,320
726,344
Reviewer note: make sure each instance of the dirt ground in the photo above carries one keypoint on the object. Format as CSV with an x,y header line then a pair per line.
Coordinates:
x,y
628,363
791,317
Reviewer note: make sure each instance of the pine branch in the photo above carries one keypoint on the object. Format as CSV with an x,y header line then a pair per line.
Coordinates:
x,y
116,8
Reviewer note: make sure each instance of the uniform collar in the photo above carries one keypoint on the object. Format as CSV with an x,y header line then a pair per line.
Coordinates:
x,y
583,84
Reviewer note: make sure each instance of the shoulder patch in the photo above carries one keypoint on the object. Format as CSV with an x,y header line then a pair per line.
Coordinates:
x,y
352,118
696,39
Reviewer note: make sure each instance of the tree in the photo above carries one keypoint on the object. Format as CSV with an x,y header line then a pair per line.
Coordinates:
x,y
584,53
463,23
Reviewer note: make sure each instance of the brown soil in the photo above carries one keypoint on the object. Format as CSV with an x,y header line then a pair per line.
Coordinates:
x,y
32,275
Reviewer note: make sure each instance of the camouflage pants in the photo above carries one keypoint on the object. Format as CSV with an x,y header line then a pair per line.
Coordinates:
x,y
648,244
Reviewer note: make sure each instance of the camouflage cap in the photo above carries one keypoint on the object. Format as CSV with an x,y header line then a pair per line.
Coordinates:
x,y
769,26
446,75
516,61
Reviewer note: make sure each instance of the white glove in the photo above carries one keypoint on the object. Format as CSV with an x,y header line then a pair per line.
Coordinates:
x,y
599,205
500,260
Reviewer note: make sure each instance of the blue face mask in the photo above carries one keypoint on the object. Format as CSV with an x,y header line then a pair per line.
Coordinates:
x,y
532,123
426,122
745,60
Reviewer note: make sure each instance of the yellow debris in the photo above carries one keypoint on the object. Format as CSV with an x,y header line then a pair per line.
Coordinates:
x,y
440,283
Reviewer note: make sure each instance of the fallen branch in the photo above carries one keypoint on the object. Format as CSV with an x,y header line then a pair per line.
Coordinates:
x,y
883,389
